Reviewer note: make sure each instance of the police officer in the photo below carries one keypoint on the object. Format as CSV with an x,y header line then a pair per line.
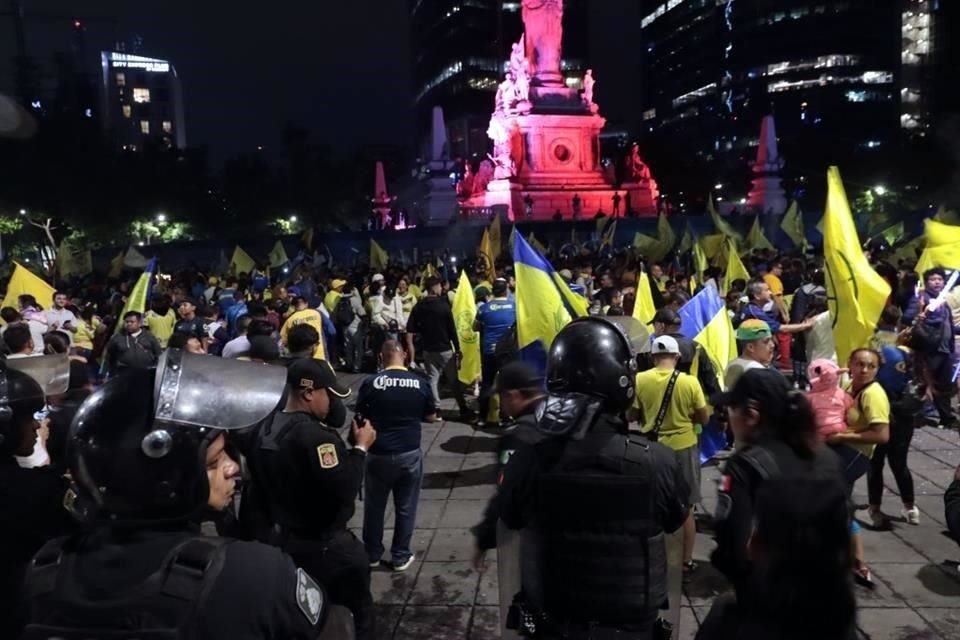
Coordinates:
x,y
494,319
307,481
32,498
147,460
598,500
521,391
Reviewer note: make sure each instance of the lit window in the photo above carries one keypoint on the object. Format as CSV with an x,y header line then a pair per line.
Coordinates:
x,y
127,111
121,79
145,127
167,126
909,96
141,95
649,114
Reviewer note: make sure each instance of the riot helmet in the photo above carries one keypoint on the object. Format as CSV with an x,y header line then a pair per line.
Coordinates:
x,y
24,385
596,356
138,444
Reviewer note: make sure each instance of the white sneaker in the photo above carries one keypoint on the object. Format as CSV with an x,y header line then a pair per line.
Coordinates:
x,y
878,520
403,566
912,515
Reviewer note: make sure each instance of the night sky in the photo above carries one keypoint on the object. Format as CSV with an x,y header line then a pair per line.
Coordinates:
x,y
341,69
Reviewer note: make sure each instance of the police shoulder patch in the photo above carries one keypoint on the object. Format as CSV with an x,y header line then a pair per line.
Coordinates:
x,y
309,597
327,453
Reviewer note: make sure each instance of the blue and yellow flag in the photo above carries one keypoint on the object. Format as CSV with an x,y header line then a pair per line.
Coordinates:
x,y
140,295
545,304
464,314
705,320
856,294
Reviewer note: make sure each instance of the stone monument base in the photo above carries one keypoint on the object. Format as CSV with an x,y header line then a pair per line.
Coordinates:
x,y
440,205
641,198
505,198
546,203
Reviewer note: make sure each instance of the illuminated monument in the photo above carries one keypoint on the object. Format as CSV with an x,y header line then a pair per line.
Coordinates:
x,y
767,195
546,136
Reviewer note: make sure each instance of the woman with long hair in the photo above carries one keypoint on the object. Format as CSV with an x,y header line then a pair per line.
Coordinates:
x,y
778,431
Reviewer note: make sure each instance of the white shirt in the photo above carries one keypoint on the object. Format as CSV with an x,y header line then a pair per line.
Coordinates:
x,y
56,318
820,342
239,346
736,368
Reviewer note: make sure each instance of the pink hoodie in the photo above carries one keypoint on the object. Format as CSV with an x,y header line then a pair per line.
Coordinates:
x,y
830,402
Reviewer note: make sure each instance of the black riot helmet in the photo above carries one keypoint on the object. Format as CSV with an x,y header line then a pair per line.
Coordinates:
x,y
596,356
137,445
24,385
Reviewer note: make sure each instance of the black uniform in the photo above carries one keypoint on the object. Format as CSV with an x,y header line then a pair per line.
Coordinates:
x,y
600,507
32,514
521,432
308,482
744,473
173,579
951,502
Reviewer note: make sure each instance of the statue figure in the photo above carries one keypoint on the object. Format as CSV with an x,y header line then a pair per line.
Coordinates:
x,y
465,186
637,170
543,26
502,132
506,98
588,83
483,177
520,69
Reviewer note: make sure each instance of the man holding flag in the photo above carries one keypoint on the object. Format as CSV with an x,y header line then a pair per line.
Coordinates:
x,y
494,320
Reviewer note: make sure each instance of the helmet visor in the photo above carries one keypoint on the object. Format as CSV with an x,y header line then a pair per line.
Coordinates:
x,y
51,372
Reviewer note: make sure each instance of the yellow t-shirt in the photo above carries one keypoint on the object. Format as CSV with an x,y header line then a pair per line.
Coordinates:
x,y
306,316
331,300
83,338
415,291
161,326
677,430
775,284
875,410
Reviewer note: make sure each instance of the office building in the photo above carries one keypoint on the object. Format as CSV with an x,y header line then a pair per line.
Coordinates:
x,y
851,82
460,50
142,101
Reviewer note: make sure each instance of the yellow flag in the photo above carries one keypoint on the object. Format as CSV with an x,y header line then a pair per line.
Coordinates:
x,y
856,294
643,307
73,263
536,244
820,224
893,233
307,238
25,282
700,261
713,246
735,269
495,238
378,256
755,239
666,234
908,252
651,248
792,225
485,255
241,262
137,300
116,266
278,255
602,223
942,246
464,314
946,216
606,240
686,242
722,226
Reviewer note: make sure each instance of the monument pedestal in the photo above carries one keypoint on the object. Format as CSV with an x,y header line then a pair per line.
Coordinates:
x,y
505,197
641,200
440,205
561,151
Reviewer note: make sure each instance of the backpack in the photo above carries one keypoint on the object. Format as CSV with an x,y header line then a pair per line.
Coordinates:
x,y
343,313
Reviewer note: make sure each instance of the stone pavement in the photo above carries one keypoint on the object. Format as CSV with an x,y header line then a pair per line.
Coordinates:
x,y
442,597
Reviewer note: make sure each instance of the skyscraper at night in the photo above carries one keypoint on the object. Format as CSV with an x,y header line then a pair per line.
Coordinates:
x,y
141,100
460,48
850,82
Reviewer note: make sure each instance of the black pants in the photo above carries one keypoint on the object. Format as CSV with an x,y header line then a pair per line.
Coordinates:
x,y
940,368
489,367
340,564
896,450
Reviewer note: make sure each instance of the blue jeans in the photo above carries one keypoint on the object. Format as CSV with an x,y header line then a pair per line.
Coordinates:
x,y
401,473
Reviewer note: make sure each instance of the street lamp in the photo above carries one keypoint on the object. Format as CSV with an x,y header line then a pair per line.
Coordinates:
x,y
293,218
718,186
879,189
23,212
161,217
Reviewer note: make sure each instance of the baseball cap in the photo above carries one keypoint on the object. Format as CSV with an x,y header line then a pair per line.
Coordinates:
x,y
377,277
336,284
310,373
481,291
293,291
753,329
518,375
665,345
667,316
766,387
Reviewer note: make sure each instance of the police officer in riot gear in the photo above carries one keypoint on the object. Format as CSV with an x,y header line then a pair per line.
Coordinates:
x,y
148,455
32,496
306,482
597,500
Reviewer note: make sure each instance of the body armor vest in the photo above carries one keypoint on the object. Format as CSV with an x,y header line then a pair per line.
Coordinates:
x,y
604,557
162,607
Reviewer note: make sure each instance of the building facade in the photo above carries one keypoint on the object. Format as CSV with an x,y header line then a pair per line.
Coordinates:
x,y
460,50
850,82
142,101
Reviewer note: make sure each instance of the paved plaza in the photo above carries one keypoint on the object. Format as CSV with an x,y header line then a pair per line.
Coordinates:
x,y
441,596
